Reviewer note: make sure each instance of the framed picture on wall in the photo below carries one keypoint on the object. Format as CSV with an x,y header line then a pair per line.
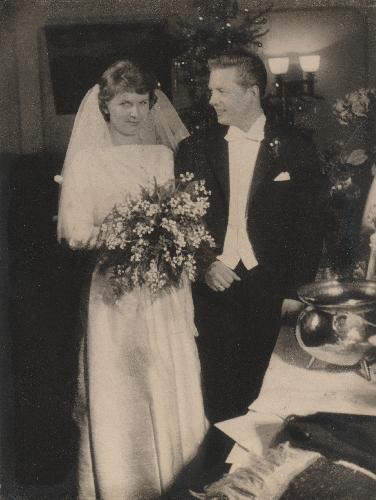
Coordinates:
x,y
78,54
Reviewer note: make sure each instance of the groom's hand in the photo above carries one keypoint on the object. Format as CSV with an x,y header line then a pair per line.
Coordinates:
x,y
219,277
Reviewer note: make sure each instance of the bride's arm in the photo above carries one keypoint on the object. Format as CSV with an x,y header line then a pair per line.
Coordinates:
x,y
76,207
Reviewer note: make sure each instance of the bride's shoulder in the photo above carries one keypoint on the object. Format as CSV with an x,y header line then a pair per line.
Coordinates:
x,y
161,160
86,155
161,151
97,157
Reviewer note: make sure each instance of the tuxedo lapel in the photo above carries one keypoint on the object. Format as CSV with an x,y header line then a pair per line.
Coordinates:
x,y
218,154
267,166
262,168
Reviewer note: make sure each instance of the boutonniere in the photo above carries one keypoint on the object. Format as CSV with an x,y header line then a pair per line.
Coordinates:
x,y
274,145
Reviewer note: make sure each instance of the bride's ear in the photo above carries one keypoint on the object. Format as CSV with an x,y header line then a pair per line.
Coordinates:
x,y
152,99
104,110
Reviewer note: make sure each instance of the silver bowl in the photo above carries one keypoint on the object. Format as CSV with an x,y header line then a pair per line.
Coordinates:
x,y
335,327
340,296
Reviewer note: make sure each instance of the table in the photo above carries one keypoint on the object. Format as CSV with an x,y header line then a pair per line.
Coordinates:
x,y
289,387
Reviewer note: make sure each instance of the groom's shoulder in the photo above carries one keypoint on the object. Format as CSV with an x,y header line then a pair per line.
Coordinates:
x,y
295,143
194,152
202,138
287,132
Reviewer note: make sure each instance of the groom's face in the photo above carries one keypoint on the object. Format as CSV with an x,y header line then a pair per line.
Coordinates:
x,y
231,101
127,112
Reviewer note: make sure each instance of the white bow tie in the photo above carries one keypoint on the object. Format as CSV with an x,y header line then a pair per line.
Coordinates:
x,y
235,134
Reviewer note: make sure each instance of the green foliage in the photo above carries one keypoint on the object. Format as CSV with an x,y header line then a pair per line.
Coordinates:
x,y
219,25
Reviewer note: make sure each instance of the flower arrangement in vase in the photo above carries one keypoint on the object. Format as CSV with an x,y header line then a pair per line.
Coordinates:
x,y
347,164
344,159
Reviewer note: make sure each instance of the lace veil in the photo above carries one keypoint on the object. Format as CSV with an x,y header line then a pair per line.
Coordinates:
x,y
90,131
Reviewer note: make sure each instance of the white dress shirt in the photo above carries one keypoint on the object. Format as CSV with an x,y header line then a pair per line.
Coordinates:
x,y
243,150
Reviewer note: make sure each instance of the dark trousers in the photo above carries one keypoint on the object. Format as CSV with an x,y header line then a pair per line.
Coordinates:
x,y
237,329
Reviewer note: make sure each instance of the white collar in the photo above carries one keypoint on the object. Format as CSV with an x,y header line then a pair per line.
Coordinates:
x,y
255,133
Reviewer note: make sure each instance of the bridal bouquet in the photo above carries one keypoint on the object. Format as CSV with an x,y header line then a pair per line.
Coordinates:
x,y
157,237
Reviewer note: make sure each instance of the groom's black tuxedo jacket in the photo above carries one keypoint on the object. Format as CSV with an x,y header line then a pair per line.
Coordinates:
x,y
285,221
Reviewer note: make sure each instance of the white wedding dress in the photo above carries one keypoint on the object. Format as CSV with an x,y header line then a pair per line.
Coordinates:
x,y
143,418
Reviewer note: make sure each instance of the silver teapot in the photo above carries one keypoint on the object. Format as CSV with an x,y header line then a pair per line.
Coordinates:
x,y
339,324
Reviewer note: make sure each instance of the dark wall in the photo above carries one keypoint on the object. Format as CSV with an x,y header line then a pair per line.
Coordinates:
x,y
45,281
6,369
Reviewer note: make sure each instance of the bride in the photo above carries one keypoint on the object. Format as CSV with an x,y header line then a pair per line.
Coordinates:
x,y
143,419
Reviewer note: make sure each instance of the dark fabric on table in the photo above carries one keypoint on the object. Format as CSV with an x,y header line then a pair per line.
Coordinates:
x,y
336,436
327,480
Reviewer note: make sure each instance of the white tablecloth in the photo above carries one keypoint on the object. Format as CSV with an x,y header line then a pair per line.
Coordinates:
x,y
290,388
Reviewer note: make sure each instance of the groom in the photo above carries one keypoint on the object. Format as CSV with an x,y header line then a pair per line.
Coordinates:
x,y
264,216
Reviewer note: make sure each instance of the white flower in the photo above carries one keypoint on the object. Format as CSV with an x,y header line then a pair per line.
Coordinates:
x,y
357,157
187,177
359,102
170,225
355,105
190,267
141,229
58,179
159,233
152,210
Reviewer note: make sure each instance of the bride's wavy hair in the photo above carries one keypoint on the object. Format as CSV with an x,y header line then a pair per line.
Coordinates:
x,y
125,76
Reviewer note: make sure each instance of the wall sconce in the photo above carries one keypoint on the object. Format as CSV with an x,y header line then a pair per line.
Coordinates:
x,y
295,88
279,66
310,64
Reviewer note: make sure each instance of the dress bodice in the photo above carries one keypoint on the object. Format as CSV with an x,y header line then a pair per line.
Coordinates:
x,y
98,179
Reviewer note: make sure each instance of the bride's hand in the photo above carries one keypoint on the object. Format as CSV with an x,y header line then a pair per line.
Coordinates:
x,y
78,244
87,243
93,238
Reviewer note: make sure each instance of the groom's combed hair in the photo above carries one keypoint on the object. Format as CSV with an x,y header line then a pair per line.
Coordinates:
x,y
125,76
251,68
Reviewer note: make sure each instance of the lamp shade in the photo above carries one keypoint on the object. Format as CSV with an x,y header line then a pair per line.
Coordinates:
x,y
278,65
309,64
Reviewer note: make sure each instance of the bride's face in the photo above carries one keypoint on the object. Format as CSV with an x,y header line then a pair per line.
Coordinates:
x,y
127,112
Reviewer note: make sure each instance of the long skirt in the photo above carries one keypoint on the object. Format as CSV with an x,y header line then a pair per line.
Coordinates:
x,y
142,419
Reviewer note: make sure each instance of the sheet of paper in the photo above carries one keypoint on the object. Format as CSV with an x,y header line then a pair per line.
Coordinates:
x,y
253,431
238,456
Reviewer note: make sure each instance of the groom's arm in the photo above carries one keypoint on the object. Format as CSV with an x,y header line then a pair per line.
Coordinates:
x,y
181,159
190,157
309,193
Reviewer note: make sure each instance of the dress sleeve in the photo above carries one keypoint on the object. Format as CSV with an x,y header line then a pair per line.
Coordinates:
x,y
76,207
163,167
